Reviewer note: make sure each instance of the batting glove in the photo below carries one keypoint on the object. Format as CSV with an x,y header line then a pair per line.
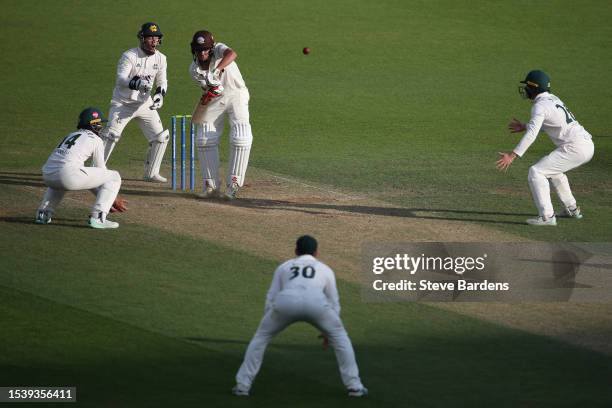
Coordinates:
x,y
212,93
213,79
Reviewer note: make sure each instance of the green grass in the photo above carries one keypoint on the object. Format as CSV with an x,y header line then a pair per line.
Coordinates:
x,y
404,101
132,325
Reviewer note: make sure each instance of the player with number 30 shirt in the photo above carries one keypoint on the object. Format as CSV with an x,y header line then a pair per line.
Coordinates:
x,y
303,289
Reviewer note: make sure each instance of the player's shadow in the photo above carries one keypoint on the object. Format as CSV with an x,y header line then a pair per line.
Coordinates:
x,y
57,222
215,341
21,179
157,193
430,213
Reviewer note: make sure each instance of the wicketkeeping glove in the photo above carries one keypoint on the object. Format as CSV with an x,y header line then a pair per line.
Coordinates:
x,y
119,205
143,84
158,100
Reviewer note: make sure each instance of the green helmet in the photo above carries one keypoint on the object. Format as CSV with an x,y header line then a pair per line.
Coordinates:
x,y
535,82
91,119
150,30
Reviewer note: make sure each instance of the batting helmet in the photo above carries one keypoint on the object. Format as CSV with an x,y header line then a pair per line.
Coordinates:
x,y
535,82
202,40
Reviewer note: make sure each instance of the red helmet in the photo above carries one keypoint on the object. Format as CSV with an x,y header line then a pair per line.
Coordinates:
x,y
202,40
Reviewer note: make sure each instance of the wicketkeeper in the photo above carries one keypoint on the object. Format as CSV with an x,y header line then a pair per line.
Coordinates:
x,y
138,71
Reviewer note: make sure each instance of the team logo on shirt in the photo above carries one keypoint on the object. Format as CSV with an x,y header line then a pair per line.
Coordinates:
x,y
155,66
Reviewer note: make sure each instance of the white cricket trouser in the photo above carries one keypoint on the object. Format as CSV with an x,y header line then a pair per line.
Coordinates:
x,y
553,168
120,114
294,305
105,183
210,120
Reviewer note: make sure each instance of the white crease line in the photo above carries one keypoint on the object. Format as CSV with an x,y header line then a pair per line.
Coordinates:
x,y
327,190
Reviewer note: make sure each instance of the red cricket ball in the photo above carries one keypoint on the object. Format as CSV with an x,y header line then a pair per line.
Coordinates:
x,y
306,50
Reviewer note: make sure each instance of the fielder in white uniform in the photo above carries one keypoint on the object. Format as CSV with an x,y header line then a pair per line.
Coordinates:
x,y
138,69
225,93
303,289
574,148
65,170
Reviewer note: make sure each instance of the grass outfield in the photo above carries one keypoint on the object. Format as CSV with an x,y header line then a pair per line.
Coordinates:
x,y
403,102
134,327
408,103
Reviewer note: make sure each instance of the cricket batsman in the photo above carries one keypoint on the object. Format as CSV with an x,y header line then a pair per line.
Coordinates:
x,y
574,148
138,70
224,93
65,170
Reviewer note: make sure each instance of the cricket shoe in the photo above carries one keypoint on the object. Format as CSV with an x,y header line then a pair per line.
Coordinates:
x,y
43,217
543,221
97,223
240,391
232,191
569,213
360,392
156,178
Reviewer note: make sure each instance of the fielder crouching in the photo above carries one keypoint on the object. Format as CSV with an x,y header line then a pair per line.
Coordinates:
x,y
224,92
303,289
65,170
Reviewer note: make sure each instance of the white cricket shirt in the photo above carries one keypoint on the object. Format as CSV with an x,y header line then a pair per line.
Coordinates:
x,y
306,273
135,62
231,79
74,150
550,114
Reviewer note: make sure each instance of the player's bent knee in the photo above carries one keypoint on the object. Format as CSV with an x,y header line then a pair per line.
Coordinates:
x,y
534,173
241,134
160,137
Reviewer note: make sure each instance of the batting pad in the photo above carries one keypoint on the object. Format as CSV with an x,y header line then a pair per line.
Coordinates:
x,y
155,154
241,139
207,141
209,164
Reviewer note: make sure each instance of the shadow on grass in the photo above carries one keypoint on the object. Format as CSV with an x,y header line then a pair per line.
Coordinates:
x,y
445,214
433,213
57,222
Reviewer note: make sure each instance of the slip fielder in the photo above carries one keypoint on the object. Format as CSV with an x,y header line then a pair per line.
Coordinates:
x,y
224,93
137,71
574,148
65,170
303,289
